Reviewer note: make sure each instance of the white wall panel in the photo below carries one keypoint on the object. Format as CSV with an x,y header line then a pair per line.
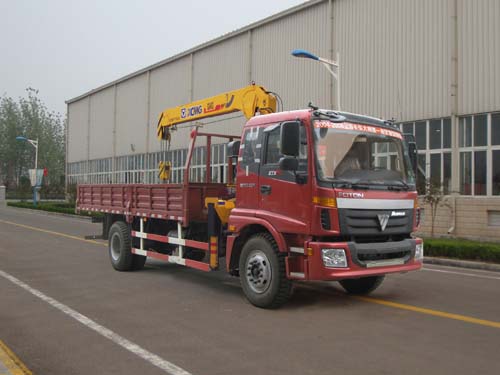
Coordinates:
x,y
78,125
479,55
297,81
222,67
131,116
395,57
170,87
101,124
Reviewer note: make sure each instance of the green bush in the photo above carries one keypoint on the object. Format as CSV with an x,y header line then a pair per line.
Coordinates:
x,y
25,192
462,249
61,207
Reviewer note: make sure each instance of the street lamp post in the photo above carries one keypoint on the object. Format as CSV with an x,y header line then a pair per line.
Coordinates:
x,y
34,143
328,64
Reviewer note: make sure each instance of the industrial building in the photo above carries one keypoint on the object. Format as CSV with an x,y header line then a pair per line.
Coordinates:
x,y
432,65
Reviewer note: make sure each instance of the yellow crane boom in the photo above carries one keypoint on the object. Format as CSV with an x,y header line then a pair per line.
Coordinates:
x,y
250,100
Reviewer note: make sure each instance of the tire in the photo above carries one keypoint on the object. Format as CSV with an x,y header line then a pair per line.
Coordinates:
x,y
119,247
363,285
263,272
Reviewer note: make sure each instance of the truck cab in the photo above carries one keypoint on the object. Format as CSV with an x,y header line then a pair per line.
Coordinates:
x,y
336,192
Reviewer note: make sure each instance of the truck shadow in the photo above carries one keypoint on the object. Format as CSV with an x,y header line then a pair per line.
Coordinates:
x,y
218,281
308,295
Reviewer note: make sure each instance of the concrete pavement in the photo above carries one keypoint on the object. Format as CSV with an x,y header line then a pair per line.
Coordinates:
x,y
10,364
439,321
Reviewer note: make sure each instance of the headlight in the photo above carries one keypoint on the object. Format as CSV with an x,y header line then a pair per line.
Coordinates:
x,y
419,251
334,258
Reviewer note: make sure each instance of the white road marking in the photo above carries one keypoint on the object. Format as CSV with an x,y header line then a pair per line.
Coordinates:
x,y
462,273
152,358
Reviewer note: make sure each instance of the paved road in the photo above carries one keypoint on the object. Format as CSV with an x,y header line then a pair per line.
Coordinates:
x,y
63,310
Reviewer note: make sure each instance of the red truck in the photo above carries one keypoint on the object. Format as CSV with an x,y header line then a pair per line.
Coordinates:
x,y
316,195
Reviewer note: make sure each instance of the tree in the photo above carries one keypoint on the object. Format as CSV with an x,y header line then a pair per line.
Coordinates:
x,y
30,118
434,197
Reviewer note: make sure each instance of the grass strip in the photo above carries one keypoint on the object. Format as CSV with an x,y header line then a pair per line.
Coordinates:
x,y
60,207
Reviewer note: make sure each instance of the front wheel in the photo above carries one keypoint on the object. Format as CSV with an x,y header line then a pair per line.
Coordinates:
x,y
363,285
263,273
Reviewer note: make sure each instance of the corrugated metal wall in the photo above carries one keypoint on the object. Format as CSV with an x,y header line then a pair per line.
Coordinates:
x,y
395,57
170,87
216,69
297,81
221,67
396,62
78,124
101,124
479,55
131,115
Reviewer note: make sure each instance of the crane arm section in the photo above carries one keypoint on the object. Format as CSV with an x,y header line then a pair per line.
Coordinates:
x,y
250,100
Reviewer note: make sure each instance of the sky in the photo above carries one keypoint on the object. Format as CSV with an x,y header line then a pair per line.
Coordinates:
x,y
64,48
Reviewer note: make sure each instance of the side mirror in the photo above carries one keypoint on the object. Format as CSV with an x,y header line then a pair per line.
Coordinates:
x,y
233,149
412,150
290,138
289,163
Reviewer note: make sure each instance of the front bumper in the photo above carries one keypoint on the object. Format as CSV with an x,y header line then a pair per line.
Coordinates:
x,y
363,260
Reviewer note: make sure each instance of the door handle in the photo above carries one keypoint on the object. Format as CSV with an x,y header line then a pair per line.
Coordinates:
x,y
265,189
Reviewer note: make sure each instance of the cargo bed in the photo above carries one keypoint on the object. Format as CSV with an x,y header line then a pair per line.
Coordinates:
x,y
179,202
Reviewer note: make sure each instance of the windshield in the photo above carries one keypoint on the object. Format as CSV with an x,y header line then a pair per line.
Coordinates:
x,y
361,154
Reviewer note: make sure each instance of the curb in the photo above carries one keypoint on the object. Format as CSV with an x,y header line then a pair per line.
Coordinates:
x,y
462,263
10,364
48,213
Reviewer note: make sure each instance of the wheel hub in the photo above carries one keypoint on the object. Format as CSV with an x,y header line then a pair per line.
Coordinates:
x,y
258,271
115,244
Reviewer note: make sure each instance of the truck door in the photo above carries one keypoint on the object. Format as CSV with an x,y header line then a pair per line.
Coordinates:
x,y
285,198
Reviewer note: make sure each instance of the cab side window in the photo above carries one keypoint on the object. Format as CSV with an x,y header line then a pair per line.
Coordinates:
x,y
250,149
273,154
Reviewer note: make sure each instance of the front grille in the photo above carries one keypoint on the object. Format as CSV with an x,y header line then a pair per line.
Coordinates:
x,y
325,219
369,239
369,253
378,256
365,223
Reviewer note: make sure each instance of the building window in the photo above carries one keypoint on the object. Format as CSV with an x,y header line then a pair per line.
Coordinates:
x,y
495,129
495,172
433,139
480,172
480,130
477,150
465,132
421,135
435,171
465,173
435,134
447,172
447,132
408,128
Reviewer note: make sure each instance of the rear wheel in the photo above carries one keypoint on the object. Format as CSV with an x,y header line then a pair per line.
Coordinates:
x,y
363,285
263,273
119,247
